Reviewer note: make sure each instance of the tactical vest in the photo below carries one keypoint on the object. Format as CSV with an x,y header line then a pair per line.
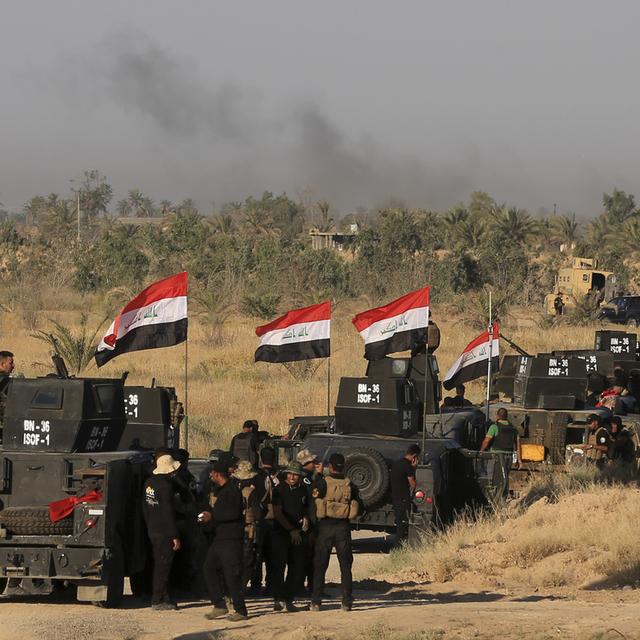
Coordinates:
x,y
600,434
337,502
506,438
242,447
250,511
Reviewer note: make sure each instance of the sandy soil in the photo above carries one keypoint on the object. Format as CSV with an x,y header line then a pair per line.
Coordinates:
x,y
382,610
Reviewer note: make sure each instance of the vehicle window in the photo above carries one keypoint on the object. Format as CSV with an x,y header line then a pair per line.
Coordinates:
x,y
47,399
105,394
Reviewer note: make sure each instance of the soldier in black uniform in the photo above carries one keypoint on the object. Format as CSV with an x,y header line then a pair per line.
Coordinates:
x,y
7,366
336,503
291,514
160,516
403,484
223,565
267,476
245,445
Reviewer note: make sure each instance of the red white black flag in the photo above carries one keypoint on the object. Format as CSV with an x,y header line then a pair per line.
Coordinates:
x,y
473,362
398,326
157,317
300,334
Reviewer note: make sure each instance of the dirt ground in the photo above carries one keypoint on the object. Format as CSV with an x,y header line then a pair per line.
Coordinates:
x,y
381,611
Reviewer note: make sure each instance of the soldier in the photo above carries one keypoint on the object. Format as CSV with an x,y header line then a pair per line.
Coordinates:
x,y
7,365
597,441
336,503
621,450
245,445
268,476
160,517
403,484
251,502
291,514
503,437
558,304
223,564
308,461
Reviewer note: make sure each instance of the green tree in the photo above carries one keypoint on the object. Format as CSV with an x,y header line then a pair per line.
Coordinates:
x,y
619,205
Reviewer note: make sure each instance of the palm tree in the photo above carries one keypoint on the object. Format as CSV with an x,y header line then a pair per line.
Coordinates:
x,y
515,224
599,230
325,223
629,234
564,229
470,233
452,219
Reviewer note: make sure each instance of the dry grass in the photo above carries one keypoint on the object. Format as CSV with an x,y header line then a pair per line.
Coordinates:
x,y
571,531
226,386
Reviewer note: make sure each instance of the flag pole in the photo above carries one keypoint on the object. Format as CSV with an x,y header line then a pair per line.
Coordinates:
x,y
328,387
186,393
490,335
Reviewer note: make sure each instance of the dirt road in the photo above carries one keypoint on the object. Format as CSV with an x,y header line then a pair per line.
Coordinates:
x,y
382,611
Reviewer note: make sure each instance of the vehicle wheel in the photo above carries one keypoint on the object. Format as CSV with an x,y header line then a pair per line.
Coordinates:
x,y
368,471
557,443
114,568
632,322
33,521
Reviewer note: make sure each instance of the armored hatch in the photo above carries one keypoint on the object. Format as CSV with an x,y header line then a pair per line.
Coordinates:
x,y
64,415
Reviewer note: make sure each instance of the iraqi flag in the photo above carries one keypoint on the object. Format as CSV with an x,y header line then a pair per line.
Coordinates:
x,y
473,362
300,334
155,318
398,326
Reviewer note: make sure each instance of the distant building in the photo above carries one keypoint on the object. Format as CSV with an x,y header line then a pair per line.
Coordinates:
x,y
335,240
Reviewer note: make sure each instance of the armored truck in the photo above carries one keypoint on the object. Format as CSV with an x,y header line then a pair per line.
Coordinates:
x,y
550,395
378,416
84,446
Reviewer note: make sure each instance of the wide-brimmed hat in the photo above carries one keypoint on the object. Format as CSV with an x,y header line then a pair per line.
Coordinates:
x,y
305,457
165,464
245,471
293,467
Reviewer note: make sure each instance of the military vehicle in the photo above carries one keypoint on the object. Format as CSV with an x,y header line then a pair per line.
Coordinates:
x,y
621,310
63,439
378,416
549,395
580,279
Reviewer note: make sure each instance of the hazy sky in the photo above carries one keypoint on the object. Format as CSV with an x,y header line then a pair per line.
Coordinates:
x,y
535,102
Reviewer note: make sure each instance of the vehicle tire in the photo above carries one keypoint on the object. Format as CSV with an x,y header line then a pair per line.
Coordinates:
x,y
632,322
557,443
34,521
368,471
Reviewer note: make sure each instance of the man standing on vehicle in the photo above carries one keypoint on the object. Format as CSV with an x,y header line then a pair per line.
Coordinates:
x,y
336,504
503,437
223,564
245,445
291,513
160,516
403,484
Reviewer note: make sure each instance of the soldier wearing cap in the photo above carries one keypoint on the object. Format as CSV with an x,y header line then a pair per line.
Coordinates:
x,y
291,515
267,477
597,441
245,475
223,565
159,510
336,504
309,463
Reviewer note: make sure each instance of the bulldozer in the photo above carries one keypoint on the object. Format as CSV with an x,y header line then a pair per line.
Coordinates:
x,y
582,278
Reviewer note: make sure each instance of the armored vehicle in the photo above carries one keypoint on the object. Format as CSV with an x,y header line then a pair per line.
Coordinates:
x,y
581,279
378,416
549,396
450,478
71,483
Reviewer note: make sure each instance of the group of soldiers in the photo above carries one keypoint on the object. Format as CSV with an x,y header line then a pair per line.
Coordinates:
x,y
249,519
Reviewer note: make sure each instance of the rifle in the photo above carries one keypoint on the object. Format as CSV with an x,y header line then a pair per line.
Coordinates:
x,y
58,361
514,346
